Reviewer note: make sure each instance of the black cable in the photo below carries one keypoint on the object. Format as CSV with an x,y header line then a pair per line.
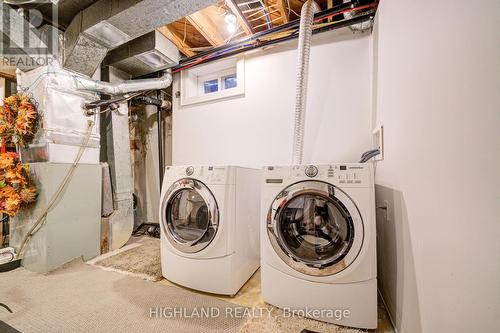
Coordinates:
x,y
286,26
369,152
341,24
366,156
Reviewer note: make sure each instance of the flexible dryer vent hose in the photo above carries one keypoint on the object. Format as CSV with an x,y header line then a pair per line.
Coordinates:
x,y
305,34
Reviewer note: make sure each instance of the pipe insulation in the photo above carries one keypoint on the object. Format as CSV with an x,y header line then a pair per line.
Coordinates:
x,y
305,33
120,88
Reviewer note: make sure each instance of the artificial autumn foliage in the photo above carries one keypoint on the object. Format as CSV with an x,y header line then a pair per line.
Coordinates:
x,y
16,188
18,119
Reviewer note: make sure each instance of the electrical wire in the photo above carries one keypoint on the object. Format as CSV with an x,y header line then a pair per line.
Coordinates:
x,y
55,198
199,60
252,40
366,156
108,103
322,17
265,13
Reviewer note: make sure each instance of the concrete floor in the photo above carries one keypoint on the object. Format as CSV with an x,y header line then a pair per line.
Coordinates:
x,y
250,296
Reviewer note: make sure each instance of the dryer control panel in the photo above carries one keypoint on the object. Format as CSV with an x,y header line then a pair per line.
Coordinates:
x,y
205,174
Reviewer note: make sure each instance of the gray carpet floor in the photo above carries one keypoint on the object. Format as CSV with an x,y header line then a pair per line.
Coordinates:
x,y
83,298
142,260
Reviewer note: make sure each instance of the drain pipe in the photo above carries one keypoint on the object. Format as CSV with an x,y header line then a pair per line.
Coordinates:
x,y
305,33
161,158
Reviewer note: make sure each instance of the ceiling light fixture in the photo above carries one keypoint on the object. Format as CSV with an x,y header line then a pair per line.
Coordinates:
x,y
230,20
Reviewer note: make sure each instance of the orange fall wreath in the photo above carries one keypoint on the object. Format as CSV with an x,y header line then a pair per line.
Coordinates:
x,y
16,188
18,119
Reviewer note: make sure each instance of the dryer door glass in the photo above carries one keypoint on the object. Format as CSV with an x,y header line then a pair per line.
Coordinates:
x,y
188,216
191,215
315,229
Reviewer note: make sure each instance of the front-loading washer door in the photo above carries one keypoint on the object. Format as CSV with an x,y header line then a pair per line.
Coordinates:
x,y
190,215
315,228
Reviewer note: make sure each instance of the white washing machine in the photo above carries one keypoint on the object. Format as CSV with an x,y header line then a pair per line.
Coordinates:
x,y
210,227
318,242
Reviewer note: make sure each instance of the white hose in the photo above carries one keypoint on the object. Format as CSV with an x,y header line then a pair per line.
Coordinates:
x,y
305,34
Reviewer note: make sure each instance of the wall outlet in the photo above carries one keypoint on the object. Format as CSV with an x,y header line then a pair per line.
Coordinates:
x,y
378,142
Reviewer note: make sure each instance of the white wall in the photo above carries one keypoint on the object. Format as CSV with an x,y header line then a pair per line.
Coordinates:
x,y
437,93
257,129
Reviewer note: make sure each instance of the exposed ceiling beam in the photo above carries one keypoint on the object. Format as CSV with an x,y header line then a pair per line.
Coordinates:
x,y
283,10
7,70
239,15
175,38
202,22
272,21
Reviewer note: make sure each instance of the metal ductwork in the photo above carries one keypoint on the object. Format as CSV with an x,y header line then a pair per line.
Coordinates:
x,y
107,24
144,55
360,27
21,43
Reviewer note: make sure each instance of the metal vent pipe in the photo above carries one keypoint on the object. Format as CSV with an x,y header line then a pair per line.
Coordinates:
x,y
120,88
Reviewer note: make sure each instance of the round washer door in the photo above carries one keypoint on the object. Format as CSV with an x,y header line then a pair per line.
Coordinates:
x,y
190,215
315,228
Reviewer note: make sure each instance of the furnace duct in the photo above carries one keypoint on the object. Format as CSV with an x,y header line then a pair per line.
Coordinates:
x,y
108,24
305,34
120,88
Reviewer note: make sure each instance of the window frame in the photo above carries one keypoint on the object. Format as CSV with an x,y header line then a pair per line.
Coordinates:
x,y
192,81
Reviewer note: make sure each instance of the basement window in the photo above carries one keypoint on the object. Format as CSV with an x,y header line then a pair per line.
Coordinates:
x,y
218,80
229,81
211,86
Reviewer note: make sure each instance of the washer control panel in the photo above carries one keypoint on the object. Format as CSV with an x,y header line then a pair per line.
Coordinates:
x,y
348,174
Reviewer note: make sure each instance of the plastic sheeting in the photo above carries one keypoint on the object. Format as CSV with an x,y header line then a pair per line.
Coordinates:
x,y
63,124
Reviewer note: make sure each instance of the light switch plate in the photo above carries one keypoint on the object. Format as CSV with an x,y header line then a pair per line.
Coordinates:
x,y
378,142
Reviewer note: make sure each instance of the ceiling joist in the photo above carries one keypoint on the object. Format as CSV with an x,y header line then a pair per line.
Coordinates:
x,y
283,10
174,37
207,28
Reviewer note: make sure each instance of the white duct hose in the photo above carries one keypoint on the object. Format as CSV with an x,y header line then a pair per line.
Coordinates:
x,y
305,34
120,88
